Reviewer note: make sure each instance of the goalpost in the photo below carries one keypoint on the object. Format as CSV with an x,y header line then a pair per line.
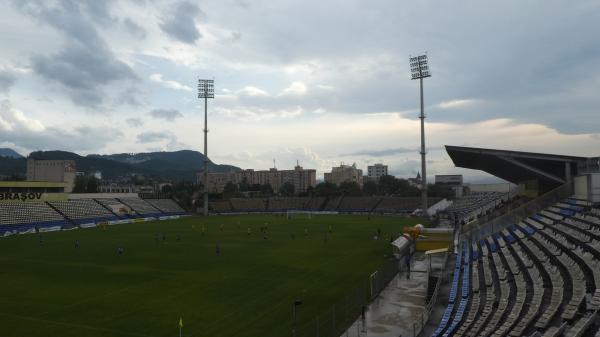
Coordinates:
x,y
299,214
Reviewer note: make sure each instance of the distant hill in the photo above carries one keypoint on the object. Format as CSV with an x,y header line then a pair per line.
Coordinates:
x,y
176,160
178,165
10,153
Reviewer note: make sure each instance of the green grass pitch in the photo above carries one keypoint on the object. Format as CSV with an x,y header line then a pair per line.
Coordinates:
x,y
54,289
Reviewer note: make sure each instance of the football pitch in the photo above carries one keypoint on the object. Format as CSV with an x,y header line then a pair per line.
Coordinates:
x,y
48,287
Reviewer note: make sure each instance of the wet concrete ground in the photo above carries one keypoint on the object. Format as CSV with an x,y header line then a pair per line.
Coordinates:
x,y
399,311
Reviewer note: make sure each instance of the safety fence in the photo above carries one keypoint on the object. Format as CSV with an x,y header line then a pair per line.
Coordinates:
x,y
441,274
334,321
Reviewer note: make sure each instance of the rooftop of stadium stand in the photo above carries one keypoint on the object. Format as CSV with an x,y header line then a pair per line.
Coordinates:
x,y
551,170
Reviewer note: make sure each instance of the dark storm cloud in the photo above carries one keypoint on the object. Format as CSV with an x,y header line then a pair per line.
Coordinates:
x,y
86,65
180,23
83,71
168,115
7,79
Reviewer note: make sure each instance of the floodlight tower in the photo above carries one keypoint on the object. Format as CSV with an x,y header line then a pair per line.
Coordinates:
x,y
206,90
419,69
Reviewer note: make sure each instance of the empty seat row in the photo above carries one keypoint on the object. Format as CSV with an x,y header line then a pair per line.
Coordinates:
x,y
540,275
167,206
27,212
83,210
140,206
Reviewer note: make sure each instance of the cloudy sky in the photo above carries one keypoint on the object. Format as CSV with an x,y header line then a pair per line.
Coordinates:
x,y
321,82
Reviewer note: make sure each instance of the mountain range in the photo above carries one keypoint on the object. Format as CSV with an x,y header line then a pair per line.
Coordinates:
x,y
10,153
175,166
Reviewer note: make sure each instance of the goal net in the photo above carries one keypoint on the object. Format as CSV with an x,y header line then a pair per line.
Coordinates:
x,y
299,214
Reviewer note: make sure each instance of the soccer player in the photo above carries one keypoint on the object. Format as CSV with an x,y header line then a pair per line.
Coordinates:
x,y
218,250
249,231
77,244
120,251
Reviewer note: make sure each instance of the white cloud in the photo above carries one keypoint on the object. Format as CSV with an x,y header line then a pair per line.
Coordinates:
x,y
252,92
158,78
457,103
325,87
27,133
258,114
296,88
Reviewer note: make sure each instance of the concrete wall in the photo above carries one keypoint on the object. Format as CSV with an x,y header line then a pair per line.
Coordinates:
x,y
587,187
595,187
581,186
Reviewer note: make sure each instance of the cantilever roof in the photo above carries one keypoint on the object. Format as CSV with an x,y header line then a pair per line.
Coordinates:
x,y
516,166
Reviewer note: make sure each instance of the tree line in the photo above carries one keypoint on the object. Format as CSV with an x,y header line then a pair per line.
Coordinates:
x,y
384,186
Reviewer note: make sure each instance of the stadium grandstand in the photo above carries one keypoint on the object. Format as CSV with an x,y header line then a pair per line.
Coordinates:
x,y
340,204
534,270
19,217
476,204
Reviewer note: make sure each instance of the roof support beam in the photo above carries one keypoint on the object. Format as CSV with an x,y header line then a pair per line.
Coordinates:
x,y
532,169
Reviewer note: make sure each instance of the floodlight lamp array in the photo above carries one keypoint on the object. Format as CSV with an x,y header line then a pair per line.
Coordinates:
x,y
419,67
206,89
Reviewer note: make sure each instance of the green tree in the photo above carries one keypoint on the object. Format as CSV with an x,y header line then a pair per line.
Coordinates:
x,y
326,189
388,185
243,186
266,190
370,188
350,188
185,193
440,191
287,189
80,184
92,185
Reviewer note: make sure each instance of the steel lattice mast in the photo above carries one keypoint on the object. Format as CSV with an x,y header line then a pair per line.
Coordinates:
x,y
206,90
419,69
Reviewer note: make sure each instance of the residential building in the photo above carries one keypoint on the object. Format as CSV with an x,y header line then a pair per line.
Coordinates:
x,y
300,177
376,171
56,171
344,173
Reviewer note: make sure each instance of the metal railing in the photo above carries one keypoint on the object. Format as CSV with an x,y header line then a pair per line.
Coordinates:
x,y
480,228
336,320
419,325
